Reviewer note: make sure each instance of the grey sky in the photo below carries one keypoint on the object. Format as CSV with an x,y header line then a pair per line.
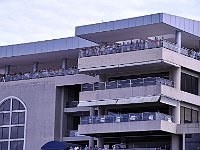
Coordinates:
x,y
35,20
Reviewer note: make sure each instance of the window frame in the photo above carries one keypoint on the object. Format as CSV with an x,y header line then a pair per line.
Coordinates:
x,y
10,125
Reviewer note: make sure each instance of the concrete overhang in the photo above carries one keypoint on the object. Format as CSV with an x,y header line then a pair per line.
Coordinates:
x,y
141,28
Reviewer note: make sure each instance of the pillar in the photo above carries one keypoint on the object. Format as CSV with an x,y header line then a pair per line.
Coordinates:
x,y
199,85
91,139
176,73
7,69
176,113
178,38
183,142
175,142
64,63
91,142
199,45
100,142
199,114
92,111
35,66
101,111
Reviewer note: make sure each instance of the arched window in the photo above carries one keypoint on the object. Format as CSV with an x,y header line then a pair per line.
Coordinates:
x,y
12,124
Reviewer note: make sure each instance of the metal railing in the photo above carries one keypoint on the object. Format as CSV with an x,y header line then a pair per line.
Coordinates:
x,y
74,133
126,83
146,116
135,46
40,74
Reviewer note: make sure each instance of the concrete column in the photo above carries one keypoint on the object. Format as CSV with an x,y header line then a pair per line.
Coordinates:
x,y
178,38
199,86
176,113
100,142
64,63
199,45
7,69
91,142
199,114
92,111
91,139
101,111
175,142
35,66
176,72
183,143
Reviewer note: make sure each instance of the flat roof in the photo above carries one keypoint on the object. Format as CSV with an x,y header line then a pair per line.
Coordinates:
x,y
141,27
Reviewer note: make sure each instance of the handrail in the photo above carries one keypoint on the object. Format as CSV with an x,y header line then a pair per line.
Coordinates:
x,y
117,118
136,46
41,74
125,83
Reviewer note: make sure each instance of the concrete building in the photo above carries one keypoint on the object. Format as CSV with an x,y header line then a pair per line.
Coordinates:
x,y
132,83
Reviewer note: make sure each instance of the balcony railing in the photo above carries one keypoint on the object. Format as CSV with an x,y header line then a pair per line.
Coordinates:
x,y
40,74
74,133
136,46
146,116
126,83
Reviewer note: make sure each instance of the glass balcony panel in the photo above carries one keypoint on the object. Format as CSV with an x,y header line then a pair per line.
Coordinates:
x,y
135,117
149,116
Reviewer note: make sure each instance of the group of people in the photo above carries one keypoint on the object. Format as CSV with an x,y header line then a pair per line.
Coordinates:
x,y
121,47
114,147
39,74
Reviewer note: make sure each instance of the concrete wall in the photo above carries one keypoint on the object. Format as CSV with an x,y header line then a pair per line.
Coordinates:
x,y
120,93
147,55
141,91
39,98
127,127
44,106
119,58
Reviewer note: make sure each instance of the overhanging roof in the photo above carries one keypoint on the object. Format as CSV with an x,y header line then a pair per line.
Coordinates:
x,y
142,27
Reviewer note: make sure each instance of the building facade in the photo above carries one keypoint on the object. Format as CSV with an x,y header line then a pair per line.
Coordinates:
x,y
132,84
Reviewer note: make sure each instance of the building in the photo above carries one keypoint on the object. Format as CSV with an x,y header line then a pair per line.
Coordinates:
x,y
132,83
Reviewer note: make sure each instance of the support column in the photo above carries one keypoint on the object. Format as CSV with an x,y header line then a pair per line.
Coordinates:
x,y
92,111
7,69
35,66
176,72
199,85
100,142
176,113
64,63
178,38
91,139
101,111
199,45
183,144
175,142
199,114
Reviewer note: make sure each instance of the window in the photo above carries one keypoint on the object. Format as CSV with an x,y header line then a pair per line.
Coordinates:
x,y
189,83
12,124
189,115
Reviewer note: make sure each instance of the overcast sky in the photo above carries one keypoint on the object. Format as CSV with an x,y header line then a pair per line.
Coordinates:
x,y
25,21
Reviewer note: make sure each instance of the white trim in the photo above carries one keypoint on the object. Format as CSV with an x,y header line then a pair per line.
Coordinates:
x,y
10,121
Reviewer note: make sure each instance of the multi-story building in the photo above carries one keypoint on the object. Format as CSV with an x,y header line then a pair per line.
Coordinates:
x,y
132,83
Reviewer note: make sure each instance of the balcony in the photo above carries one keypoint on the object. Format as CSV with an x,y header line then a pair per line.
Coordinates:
x,y
126,83
39,74
147,53
123,91
75,136
134,122
146,116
